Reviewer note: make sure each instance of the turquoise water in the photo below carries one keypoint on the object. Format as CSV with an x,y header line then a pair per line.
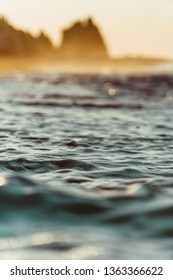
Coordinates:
x,y
86,166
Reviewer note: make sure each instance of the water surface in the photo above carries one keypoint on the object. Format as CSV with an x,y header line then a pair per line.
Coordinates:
x,y
86,167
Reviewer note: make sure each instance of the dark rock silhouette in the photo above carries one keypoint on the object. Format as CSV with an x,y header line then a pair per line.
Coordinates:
x,y
17,42
83,41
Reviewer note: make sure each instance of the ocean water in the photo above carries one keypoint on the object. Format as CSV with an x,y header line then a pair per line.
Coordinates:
x,y
86,166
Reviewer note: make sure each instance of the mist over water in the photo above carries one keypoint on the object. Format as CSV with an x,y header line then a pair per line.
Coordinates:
x,y
86,166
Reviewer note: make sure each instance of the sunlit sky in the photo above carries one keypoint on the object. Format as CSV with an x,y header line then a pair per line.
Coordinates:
x,y
143,27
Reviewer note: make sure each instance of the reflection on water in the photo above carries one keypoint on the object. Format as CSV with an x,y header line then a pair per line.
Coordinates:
x,y
86,166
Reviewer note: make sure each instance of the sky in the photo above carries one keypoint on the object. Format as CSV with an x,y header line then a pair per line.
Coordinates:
x,y
130,27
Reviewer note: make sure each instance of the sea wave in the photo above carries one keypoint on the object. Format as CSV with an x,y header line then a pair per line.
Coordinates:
x,y
86,166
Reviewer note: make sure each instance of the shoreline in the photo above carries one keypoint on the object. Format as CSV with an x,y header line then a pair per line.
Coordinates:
x,y
116,65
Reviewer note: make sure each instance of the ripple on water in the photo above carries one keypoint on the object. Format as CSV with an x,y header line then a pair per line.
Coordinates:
x,y
86,174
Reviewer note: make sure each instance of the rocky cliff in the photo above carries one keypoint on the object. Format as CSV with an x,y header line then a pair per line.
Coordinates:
x,y
83,41
17,42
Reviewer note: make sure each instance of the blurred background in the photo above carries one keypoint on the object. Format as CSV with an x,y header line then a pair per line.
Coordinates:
x,y
132,33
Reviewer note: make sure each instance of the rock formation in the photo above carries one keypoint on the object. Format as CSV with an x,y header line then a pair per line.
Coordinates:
x,y
83,42
20,43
